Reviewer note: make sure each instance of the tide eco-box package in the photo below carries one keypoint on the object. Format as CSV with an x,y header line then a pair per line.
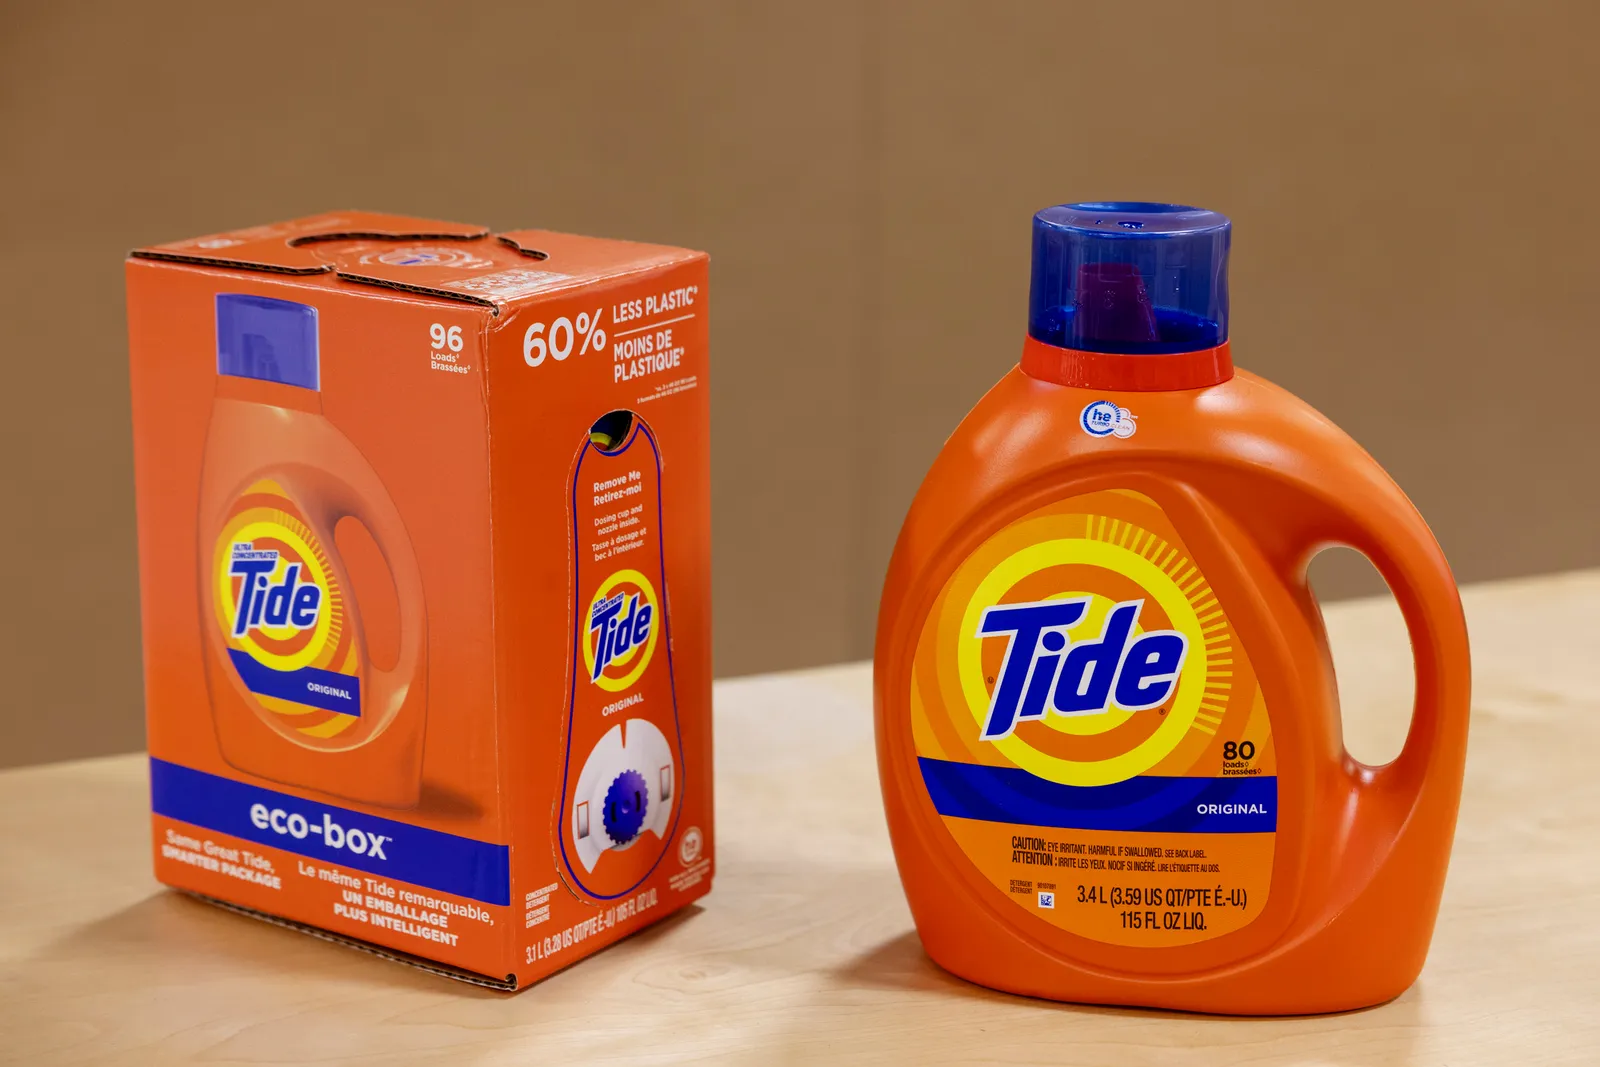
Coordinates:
x,y
424,519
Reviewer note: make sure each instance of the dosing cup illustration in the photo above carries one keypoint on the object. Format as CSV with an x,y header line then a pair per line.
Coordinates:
x,y
297,694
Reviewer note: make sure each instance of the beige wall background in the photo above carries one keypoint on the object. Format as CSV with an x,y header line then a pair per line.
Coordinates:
x,y
1417,247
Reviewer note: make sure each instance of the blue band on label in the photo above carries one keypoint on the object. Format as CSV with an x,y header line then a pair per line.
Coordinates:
x,y
428,858
312,686
1147,803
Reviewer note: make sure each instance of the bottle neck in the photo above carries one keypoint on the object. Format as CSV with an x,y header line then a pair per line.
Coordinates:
x,y
273,394
1118,371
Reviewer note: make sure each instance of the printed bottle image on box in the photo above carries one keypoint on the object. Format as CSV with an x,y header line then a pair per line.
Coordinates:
x,y
292,682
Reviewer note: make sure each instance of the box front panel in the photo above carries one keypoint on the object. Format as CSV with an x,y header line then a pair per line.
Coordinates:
x,y
313,500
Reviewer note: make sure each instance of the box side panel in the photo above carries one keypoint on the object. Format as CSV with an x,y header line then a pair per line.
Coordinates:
x,y
601,498
322,739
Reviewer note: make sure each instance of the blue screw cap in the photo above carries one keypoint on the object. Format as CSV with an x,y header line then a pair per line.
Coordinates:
x,y
1129,277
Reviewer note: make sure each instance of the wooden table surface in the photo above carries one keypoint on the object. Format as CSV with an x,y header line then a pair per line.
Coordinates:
x,y
804,952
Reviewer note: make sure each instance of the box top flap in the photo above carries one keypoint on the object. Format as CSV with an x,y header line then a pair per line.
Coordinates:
x,y
451,261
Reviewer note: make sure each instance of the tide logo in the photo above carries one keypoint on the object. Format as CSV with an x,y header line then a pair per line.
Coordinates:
x,y
291,603
1041,674
1079,643
622,625
284,617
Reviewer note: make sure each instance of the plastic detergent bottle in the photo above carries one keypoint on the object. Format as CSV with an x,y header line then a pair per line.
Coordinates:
x,y
297,694
1108,731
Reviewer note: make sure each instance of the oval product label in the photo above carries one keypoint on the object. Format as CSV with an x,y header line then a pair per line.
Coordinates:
x,y
285,618
1090,731
623,772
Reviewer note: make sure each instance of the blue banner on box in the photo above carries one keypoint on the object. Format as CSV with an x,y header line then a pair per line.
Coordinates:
x,y
431,859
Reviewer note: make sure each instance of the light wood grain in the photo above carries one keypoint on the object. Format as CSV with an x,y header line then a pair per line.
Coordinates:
x,y
804,952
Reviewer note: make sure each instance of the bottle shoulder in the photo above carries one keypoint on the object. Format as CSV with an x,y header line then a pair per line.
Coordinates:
x,y
301,450
1024,423
250,427
1025,432
1273,467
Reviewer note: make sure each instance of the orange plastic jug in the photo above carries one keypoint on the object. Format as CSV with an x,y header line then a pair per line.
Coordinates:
x,y
296,694
1108,730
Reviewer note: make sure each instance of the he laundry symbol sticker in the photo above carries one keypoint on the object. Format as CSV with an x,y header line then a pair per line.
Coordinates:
x,y
1102,418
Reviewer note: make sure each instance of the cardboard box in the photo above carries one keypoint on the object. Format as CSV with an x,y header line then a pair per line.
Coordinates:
x,y
424,527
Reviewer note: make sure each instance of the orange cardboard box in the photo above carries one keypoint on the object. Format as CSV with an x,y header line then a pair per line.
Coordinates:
x,y
424,551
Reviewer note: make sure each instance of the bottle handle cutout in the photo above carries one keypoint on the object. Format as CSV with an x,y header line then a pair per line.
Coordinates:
x,y
1381,524
369,504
